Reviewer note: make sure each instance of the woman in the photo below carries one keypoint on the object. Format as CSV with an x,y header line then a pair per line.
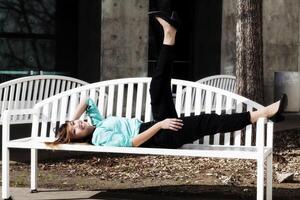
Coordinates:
x,y
167,130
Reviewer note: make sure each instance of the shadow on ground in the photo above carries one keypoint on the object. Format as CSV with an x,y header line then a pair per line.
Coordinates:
x,y
191,192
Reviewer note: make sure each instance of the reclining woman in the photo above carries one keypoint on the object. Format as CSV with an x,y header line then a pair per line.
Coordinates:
x,y
167,130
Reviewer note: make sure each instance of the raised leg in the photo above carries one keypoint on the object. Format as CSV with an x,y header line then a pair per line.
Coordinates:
x,y
269,177
34,170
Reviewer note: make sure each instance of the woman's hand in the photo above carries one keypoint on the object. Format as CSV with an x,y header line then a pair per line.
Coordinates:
x,y
173,124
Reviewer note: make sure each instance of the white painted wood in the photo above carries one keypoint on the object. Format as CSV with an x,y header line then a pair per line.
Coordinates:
x,y
219,112
63,110
129,100
178,102
208,104
148,107
228,111
52,88
45,120
198,107
237,134
33,168
41,90
5,99
54,118
120,100
101,103
11,97
111,92
139,101
269,177
270,127
260,158
23,95
74,101
248,136
47,88
188,103
61,102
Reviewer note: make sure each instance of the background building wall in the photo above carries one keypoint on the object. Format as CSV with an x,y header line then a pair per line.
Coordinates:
x,y
281,37
124,38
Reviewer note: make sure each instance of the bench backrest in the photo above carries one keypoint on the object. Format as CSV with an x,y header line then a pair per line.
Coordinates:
x,y
130,98
25,92
225,82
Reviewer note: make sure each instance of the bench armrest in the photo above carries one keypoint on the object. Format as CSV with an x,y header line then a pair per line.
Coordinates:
x,y
6,119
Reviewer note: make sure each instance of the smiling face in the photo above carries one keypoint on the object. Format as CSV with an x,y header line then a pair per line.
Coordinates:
x,y
79,129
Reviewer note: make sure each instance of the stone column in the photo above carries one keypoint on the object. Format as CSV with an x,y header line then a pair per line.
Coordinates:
x,y
124,39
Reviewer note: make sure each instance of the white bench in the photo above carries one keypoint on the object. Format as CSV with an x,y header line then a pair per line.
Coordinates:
x,y
25,92
130,98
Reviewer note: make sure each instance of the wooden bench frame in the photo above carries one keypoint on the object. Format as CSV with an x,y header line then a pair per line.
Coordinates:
x,y
130,98
25,92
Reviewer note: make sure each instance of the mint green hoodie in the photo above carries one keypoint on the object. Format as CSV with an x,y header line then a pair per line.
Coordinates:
x,y
112,131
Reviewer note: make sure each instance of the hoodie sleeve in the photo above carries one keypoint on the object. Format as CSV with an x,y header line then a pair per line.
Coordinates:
x,y
93,112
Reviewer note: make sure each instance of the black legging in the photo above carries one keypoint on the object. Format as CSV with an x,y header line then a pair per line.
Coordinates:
x,y
163,107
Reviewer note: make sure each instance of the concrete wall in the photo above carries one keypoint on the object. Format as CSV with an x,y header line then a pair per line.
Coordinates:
x,y
281,35
124,38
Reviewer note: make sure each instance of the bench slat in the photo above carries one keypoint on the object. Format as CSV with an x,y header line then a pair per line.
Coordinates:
x,y
54,119
111,92
139,101
63,110
45,120
237,134
248,130
208,105
47,88
41,90
178,103
120,100
101,103
228,111
219,112
148,105
187,105
129,100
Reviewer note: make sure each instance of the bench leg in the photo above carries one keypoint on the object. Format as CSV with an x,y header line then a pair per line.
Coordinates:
x,y
269,177
260,178
5,173
34,170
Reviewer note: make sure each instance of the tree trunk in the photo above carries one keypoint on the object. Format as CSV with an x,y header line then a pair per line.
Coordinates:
x,y
249,44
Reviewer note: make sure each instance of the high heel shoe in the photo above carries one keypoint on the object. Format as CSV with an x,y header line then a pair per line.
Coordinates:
x,y
173,20
282,105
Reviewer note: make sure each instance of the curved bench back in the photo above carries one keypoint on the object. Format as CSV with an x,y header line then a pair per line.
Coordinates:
x,y
25,92
225,82
130,98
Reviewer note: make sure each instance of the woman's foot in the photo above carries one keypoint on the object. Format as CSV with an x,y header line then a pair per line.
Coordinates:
x,y
276,113
273,111
169,25
169,32
172,19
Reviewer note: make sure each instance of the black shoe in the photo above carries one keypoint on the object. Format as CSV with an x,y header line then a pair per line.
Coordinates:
x,y
173,20
282,105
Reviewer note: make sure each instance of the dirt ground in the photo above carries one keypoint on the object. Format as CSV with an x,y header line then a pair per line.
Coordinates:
x,y
168,175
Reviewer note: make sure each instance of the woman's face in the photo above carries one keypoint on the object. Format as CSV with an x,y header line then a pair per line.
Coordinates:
x,y
79,129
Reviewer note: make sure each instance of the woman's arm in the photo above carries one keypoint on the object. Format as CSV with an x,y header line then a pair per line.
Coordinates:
x,y
172,124
80,109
